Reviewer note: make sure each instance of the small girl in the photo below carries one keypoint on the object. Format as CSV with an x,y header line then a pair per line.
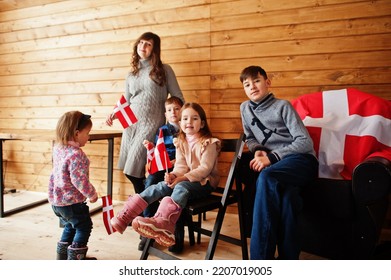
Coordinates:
x,y
69,185
194,176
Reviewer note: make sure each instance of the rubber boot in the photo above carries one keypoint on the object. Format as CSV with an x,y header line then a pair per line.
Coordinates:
x,y
162,226
133,207
78,254
62,248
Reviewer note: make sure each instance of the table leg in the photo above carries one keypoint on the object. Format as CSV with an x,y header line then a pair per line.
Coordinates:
x,y
110,160
1,180
17,209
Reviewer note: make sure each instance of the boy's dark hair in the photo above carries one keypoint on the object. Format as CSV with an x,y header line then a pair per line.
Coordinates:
x,y
174,100
252,71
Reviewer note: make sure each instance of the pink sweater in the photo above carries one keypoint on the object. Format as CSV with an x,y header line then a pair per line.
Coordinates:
x,y
200,163
69,182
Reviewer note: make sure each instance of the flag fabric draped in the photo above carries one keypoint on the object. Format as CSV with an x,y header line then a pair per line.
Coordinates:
x,y
124,113
347,127
108,213
160,160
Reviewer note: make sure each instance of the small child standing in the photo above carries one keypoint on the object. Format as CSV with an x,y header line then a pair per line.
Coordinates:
x,y
69,185
194,176
170,131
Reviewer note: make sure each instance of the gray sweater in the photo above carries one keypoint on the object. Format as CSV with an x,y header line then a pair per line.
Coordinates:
x,y
273,125
146,99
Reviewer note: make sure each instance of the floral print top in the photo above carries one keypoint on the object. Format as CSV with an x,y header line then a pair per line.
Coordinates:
x,y
69,182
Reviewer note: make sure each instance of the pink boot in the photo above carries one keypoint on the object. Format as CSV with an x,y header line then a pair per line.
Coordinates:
x,y
162,226
133,207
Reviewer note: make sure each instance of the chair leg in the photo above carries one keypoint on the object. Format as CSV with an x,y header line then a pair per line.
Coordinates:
x,y
199,227
243,237
190,227
145,253
215,233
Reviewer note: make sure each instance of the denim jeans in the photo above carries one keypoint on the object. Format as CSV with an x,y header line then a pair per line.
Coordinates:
x,y
153,179
77,222
277,206
181,194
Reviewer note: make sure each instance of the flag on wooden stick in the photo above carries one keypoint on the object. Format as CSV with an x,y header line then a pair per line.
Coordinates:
x,y
161,160
124,113
108,213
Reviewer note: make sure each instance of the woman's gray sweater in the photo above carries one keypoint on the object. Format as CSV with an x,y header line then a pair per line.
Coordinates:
x,y
146,99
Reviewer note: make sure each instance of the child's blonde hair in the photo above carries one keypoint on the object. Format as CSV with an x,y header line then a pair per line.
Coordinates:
x,y
69,123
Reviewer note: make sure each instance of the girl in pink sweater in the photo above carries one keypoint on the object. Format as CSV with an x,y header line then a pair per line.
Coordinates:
x,y
69,185
194,176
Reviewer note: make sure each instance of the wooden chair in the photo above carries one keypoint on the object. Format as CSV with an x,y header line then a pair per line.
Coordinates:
x,y
218,200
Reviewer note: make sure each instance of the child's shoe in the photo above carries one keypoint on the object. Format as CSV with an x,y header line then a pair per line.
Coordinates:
x,y
162,226
133,207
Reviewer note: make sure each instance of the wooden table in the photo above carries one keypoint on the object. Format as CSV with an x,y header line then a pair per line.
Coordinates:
x,y
49,135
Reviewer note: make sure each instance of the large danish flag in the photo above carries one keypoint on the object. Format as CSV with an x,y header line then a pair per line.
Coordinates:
x,y
347,126
124,113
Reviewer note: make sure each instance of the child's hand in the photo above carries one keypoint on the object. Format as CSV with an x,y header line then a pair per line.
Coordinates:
x,y
169,178
148,145
94,198
260,161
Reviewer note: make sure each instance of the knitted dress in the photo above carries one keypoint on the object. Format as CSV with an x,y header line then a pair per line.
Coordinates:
x,y
146,98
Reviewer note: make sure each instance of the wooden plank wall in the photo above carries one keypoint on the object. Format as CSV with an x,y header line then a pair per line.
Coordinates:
x,y
57,56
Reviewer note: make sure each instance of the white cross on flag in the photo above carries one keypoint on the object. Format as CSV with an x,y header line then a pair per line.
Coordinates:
x,y
161,160
108,213
124,113
347,126
150,151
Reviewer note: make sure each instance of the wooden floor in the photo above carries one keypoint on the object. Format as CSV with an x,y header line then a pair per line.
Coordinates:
x,y
32,235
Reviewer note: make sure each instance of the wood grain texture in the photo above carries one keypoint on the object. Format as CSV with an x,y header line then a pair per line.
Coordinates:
x,y
57,56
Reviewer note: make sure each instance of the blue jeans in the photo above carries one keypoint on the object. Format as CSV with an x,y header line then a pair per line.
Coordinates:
x,y
181,194
153,179
77,222
277,206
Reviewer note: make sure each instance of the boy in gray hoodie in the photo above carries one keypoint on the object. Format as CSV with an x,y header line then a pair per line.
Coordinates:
x,y
284,155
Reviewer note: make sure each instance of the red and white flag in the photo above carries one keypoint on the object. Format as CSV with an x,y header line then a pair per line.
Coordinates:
x,y
124,113
108,213
150,151
161,160
347,126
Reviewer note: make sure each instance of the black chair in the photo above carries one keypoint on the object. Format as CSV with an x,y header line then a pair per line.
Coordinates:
x,y
342,219
218,200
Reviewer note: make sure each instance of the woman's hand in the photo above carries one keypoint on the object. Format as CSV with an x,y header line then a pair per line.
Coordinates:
x,y
109,119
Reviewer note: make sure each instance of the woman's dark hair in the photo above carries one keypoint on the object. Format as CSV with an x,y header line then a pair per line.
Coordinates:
x,y
157,74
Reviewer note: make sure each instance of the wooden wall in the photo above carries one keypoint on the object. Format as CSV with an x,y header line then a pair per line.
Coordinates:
x,y
57,56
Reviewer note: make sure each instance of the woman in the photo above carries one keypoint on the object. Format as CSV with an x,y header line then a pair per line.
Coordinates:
x,y
146,89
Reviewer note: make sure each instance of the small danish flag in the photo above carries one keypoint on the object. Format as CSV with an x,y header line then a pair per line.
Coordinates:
x,y
108,213
124,113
